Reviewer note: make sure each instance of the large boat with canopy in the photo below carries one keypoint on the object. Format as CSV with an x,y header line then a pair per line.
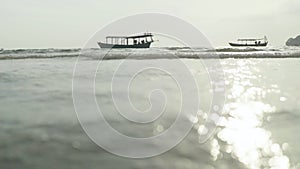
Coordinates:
x,y
250,42
134,41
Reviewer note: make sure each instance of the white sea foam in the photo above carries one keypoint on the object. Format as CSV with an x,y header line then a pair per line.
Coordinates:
x,y
155,53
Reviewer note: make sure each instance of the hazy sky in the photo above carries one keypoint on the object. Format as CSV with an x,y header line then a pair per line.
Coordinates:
x,y
70,23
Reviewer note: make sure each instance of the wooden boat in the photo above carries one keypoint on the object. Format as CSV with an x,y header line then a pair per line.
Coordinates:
x,y
250,42
137,41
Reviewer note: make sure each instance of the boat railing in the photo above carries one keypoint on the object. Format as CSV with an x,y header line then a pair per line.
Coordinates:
x,y
144,38
254,39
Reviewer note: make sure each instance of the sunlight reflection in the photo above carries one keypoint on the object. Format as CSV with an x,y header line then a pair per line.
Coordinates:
x,y
241,134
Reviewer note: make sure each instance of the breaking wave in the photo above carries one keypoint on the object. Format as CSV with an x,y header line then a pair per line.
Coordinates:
x,y
153,53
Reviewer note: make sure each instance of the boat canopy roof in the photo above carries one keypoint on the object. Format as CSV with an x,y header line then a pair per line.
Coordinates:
x,y
253,39
131,37
250,39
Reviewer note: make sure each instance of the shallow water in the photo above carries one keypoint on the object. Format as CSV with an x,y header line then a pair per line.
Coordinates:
x,y
258,129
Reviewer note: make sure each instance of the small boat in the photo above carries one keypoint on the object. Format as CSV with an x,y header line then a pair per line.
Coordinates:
x,y
136,41
250,42
1,50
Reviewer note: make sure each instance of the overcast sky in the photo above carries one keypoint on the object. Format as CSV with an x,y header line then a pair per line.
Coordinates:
x,y
70,23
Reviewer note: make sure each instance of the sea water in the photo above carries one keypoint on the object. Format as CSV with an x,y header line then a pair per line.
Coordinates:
x,y
258,127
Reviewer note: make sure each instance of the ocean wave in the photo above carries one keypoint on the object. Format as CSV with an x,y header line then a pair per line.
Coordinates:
x,y
152,53
38,53
49,50
11,57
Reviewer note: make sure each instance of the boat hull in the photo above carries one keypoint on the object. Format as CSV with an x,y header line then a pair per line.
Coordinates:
x,y
245,45
141,45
